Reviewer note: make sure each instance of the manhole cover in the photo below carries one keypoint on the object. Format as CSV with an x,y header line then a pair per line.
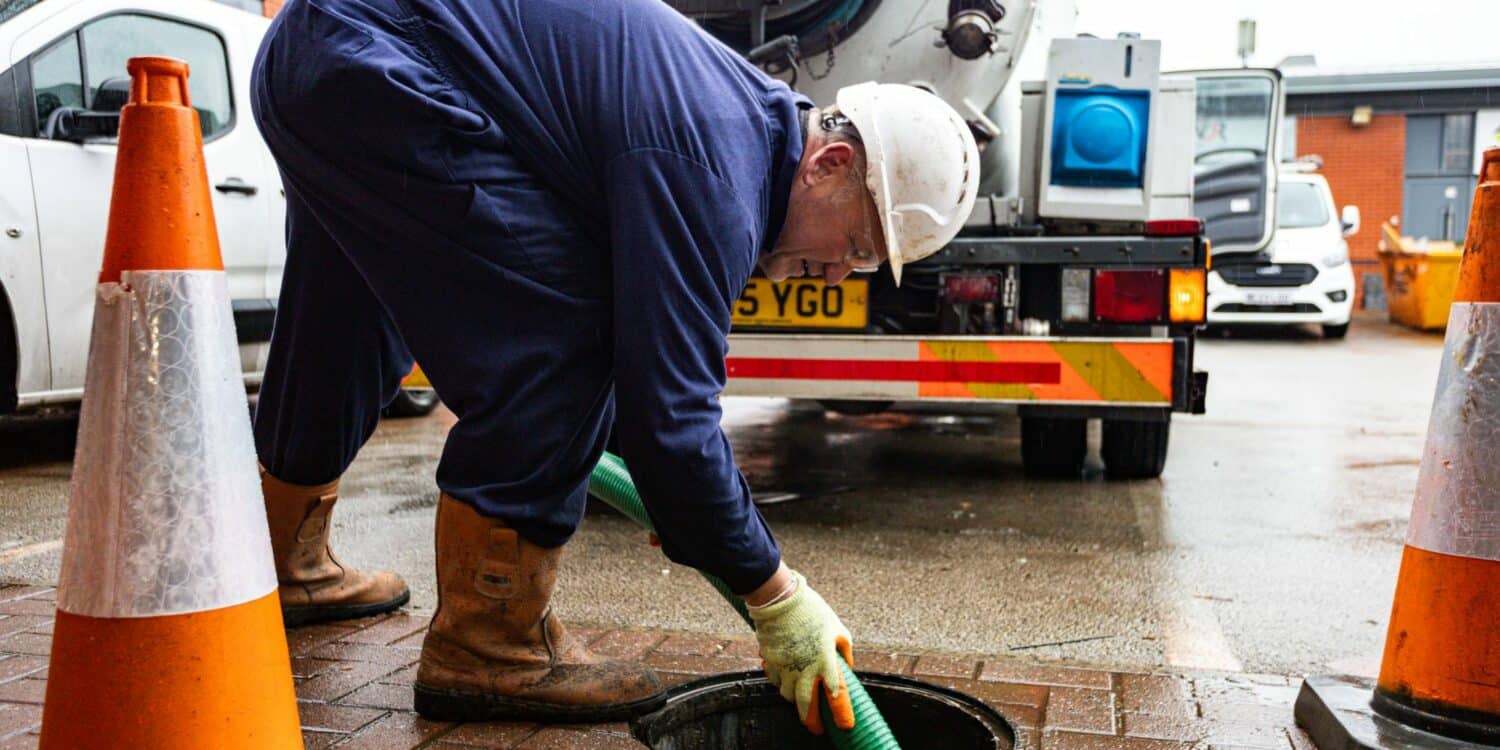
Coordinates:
x,y
743,710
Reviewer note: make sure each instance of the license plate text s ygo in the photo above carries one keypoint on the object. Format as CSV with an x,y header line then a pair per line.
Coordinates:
x,y
803,303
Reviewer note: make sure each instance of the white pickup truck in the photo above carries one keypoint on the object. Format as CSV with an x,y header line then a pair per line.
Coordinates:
x,y
62,74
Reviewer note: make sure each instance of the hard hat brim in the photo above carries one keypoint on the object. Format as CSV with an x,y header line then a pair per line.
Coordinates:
x,y
857,103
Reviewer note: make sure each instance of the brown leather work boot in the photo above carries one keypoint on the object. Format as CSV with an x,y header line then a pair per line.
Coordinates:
x,y
496,651
314,585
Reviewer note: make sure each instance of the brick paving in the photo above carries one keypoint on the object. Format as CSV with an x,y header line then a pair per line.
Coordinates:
x,y
354,690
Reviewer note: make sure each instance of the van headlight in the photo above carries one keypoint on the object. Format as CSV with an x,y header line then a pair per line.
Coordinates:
x,y
1334,260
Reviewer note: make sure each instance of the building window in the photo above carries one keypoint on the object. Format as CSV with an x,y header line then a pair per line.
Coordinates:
x,y
1458,142
1439,185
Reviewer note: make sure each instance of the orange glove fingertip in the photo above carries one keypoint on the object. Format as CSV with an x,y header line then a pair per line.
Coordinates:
x,y
846,650
842,708
814,720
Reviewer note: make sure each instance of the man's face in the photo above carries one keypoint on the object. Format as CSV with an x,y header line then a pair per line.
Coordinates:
x,y
831,228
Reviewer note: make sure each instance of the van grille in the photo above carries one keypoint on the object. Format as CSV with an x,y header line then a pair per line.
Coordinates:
x,y
1262,273
1240,307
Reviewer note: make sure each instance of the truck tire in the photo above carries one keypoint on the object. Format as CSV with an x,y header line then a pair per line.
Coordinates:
x,y
1134,450
854,407
412,402
1335,331
1053,447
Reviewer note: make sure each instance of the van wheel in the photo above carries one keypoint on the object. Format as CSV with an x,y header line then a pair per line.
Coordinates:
x,y
1134,450
1053,447
1335,332
10,365
412,402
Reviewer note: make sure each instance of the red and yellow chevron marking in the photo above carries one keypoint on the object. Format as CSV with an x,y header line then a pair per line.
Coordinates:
x,y
1128,372
909,368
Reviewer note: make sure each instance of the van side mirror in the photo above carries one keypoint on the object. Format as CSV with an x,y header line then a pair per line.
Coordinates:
x,y
112,95
1350,220
102,121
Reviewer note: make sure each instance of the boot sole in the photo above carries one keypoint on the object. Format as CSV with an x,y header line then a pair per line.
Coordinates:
x,y
438,704
297,616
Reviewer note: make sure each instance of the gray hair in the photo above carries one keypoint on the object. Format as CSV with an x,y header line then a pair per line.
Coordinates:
x,y
838,128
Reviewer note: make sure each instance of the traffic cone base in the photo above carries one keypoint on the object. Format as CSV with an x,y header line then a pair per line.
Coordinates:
x,y
213,661
1337,714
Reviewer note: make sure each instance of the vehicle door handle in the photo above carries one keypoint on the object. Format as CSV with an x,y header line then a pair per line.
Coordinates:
x,y
236,185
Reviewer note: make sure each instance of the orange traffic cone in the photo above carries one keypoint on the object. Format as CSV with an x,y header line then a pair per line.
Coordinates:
x,y
168,632
1439,680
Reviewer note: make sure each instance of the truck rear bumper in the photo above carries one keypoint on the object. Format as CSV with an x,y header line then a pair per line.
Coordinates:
x,y
1149,373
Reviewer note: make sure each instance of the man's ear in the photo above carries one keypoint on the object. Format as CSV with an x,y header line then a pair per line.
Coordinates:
x,y
831,160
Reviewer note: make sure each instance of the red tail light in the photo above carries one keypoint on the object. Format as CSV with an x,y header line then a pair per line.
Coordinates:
x,y
1174,227
971,288
1130,296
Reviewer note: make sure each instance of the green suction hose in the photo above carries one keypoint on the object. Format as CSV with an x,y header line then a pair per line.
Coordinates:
x,y
610,482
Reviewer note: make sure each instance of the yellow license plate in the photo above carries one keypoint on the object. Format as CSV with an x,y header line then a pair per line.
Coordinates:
x,y
803,303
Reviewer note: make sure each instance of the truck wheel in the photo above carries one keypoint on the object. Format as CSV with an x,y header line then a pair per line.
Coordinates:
x,y
412,402
1134,450
1335,332
854,407
1053,447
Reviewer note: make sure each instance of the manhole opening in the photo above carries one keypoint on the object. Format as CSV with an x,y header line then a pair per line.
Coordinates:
x,y
743,710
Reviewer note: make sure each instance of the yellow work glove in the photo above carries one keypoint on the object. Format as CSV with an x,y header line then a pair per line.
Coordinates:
x,y
801,640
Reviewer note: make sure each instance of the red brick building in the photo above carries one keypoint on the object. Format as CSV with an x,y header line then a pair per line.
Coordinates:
x,y
1401,144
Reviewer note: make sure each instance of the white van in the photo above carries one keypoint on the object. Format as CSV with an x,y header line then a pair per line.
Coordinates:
x,y
1303,276
62,82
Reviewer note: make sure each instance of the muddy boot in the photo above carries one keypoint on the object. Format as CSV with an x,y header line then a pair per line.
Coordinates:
x,y
496,651
314,585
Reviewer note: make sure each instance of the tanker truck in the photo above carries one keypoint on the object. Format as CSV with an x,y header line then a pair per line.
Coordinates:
x,y
1077,286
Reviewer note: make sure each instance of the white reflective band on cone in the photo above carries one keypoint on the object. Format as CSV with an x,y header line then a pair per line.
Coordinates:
x,y
165,515
1457,510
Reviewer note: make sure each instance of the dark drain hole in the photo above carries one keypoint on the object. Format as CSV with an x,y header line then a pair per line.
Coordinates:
x,y
743,710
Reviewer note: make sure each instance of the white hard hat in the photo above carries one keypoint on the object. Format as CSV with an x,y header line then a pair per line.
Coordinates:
x,y
923,166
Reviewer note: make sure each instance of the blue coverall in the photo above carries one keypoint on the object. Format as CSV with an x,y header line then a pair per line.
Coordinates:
x,y
555,204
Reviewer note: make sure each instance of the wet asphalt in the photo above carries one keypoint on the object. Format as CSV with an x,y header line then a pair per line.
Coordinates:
x,y
1271,543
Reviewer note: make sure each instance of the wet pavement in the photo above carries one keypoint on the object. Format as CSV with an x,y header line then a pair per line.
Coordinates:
x,y
1270,545
354,679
